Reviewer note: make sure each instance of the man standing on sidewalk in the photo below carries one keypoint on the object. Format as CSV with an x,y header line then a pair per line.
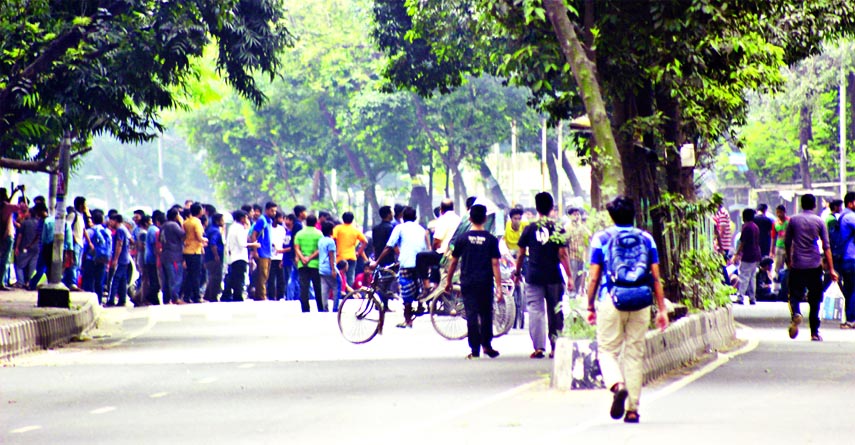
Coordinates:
x,y
478,251
847,267
194,244
236,245
621,332
172,257
263,254
306,258
748,256
805,264
545,244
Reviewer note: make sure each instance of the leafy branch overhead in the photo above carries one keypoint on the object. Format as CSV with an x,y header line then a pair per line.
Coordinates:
x,y
111,66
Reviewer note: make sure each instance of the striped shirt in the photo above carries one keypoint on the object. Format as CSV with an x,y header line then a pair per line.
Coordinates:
x,y
722,227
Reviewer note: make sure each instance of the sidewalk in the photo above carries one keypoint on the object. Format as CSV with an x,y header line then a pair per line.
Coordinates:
x,y
25,328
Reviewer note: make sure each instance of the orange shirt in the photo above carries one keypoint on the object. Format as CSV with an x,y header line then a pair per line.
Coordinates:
x,y
346,237
193,240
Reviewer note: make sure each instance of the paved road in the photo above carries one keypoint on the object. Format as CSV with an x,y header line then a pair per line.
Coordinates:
x,y
263,373
249,373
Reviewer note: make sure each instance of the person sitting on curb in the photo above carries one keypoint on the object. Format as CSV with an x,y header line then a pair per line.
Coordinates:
x,y
628,259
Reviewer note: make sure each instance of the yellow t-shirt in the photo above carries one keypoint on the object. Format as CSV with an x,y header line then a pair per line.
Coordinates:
x,y
346,237
512,237
193,239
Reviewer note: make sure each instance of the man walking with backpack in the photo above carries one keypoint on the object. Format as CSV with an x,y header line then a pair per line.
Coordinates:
x,y
805,264
627,260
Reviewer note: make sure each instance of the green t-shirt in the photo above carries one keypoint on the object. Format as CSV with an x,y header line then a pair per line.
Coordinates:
x,y
308,239
780,230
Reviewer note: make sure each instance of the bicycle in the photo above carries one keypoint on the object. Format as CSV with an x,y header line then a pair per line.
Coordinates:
x,y
361,314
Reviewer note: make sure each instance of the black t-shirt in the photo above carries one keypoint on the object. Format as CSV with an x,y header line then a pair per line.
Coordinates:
x,y
542,241
379,237
764,223
476,250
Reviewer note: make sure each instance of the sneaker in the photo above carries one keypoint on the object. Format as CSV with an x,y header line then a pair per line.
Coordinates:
x,y
815,338
472,357
404,325
752,302
618,400
492,353
794,325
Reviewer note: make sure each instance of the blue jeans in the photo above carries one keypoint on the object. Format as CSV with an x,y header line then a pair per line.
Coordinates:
x,y
173,277
847,278
119,285
292,291
93,278
5,251
71,275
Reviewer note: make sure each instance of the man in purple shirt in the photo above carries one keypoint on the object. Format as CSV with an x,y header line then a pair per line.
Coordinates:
x,y
748,255
805,263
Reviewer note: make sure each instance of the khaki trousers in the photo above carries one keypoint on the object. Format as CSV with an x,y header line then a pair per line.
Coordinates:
x,y
263,265
620,341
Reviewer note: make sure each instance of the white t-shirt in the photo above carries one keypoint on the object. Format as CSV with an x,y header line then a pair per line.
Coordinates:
x,y
445,227
237,241
410,238
277,241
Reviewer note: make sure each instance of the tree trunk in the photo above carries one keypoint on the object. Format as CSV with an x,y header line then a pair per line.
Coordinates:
x,y
419,197
370,195
585,73
551,155
850,99
317,188
571,175
680,179
805,136
494,189
597,176
460,193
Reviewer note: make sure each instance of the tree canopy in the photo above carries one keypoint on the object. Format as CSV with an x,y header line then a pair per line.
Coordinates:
x,y
111,66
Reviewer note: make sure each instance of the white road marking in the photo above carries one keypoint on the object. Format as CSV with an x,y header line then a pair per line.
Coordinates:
x,y
158,395
655,395
247,366
103,410
207,380
25,429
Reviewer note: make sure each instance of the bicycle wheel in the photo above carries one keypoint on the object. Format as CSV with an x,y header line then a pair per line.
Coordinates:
x,y
448,316
504,314
360,316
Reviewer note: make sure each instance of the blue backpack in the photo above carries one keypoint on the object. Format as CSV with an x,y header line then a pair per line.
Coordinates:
x,y
627,269
103,245
835,237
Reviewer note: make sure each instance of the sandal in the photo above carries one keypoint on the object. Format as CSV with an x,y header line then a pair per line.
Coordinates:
x,y
619,400
538,353
631,417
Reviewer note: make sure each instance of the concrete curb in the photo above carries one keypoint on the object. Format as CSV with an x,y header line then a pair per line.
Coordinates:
x,y
686,340
45,332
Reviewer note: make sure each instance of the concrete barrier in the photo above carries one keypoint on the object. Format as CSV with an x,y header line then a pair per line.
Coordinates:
x,y
686,340
24,335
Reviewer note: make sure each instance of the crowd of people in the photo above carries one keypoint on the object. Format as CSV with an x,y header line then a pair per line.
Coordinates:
x,y
792,258
187,255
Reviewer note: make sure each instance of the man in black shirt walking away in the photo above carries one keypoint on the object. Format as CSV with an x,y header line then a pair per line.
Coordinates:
x,y
478,250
